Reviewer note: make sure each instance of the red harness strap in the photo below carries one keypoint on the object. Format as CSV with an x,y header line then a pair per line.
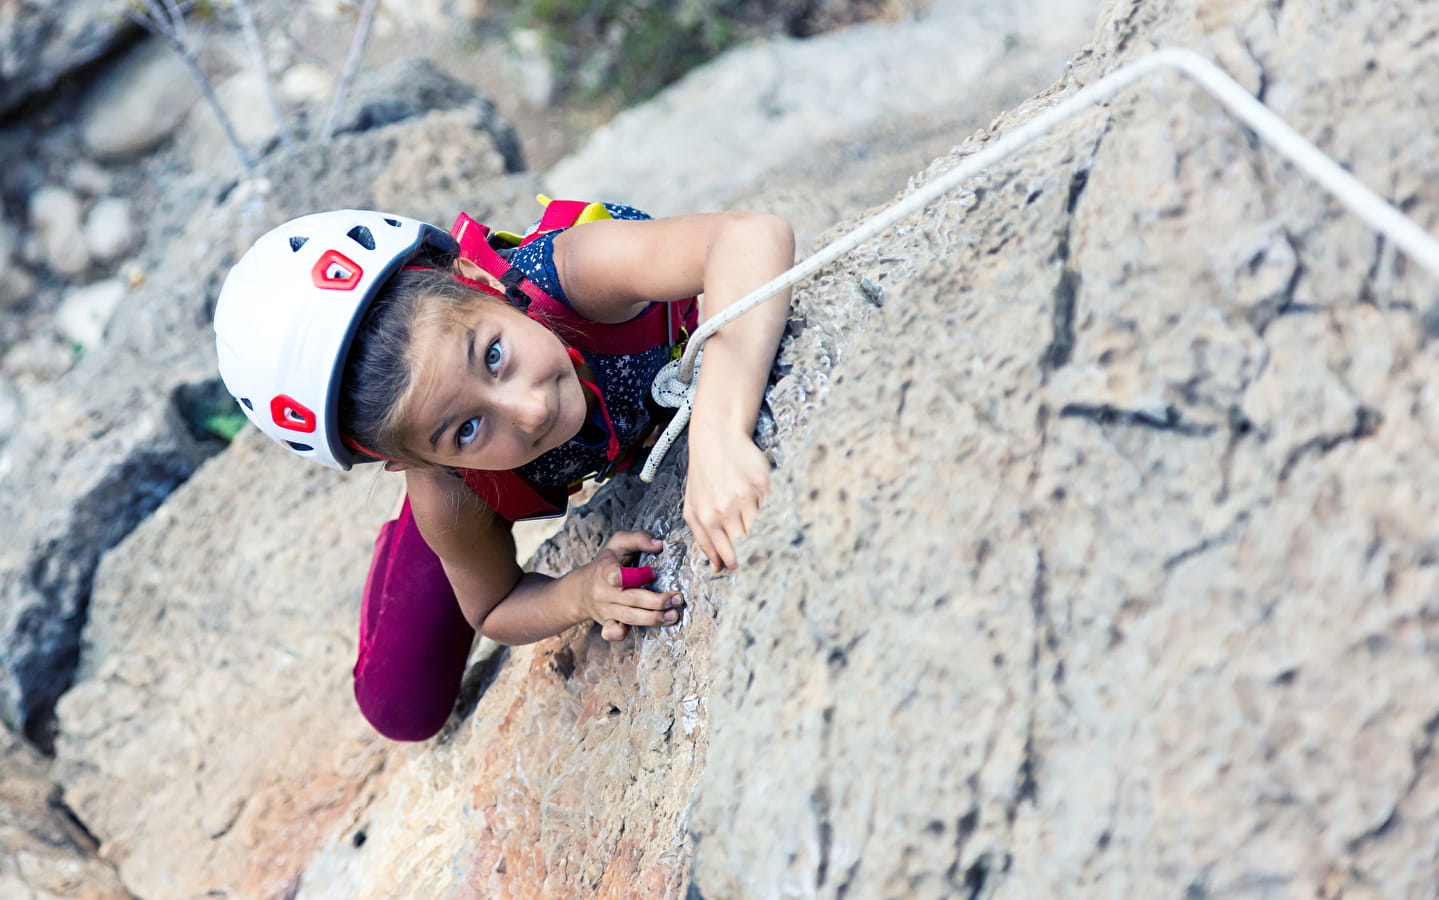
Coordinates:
x,y
512,497
655,326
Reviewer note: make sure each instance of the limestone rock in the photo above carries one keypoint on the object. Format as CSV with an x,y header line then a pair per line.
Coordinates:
x,y
767,106
272,628
40,358
305,83
15,282
88,179
41,42
576,759
202,139
85,312
56,215
113,443
1099,558
10,406
530,66
437,160
411,87
139,102
47,855
110,228
1122,597
112,473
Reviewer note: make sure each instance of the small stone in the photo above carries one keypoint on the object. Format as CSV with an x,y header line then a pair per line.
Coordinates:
x,y
471,10
305,83
530,66
85,312
16,283
9,408
55,214
39,360
137,103
242,97
88,179
109,228
133,275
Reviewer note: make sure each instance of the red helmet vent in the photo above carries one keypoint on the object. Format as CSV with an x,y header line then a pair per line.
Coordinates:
x,y
334,271
292,414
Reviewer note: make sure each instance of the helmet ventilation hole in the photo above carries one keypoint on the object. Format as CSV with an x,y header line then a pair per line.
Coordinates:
x,y
295,445
394,223
361,235
248,404
296,243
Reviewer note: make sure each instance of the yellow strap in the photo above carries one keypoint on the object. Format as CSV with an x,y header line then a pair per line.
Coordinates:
x,y
593,213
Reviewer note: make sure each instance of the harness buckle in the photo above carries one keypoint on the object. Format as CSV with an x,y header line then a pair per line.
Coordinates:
x,y
512,279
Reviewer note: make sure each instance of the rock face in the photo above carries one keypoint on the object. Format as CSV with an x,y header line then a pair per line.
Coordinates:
x,y
630,51
40,42
757,110
576,765
1099,559
271,639
1094,575
48,856
114,441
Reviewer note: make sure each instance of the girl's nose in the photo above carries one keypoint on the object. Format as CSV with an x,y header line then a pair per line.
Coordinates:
x,y
527,410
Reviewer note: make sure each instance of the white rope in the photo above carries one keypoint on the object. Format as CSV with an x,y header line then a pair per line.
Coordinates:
x,y
1374,210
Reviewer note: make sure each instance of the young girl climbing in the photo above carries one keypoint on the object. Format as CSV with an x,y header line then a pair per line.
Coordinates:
x,y
496,372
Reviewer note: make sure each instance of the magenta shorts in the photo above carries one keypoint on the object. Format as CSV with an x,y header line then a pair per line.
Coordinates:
x,y
413,638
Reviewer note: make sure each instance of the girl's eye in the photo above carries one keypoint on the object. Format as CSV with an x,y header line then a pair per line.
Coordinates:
x,y
493,357
465,435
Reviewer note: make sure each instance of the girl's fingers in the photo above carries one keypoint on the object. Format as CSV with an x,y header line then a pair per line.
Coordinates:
x,y
614,631
701,538
715,546
634,542
749,512
632,615
639,598
724,549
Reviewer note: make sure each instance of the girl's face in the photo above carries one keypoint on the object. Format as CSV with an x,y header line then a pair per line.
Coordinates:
x,y
491,389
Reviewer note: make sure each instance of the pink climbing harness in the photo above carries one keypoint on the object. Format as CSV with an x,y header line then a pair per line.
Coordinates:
x,y
509,493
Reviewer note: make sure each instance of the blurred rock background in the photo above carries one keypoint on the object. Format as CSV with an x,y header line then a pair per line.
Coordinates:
x,y
1100,556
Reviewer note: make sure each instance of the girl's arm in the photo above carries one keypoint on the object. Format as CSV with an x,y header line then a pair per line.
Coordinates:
x,y
503,602
611,269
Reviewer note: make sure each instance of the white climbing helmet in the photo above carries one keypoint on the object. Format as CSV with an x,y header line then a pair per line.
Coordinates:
x,y
288,311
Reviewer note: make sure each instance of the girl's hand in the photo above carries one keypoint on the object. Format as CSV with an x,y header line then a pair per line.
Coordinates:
x,y
604,598
728,476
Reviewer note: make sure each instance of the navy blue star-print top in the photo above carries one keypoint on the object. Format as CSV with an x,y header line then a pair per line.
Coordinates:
x,y
624,380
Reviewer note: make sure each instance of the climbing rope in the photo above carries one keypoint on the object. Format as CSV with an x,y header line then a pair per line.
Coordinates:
x,y
675,380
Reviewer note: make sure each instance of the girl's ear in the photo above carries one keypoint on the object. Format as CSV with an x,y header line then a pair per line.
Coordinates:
x,y
393,466
468,268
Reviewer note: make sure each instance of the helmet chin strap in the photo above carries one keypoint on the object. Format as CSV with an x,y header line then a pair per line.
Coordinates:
x,y
361,448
